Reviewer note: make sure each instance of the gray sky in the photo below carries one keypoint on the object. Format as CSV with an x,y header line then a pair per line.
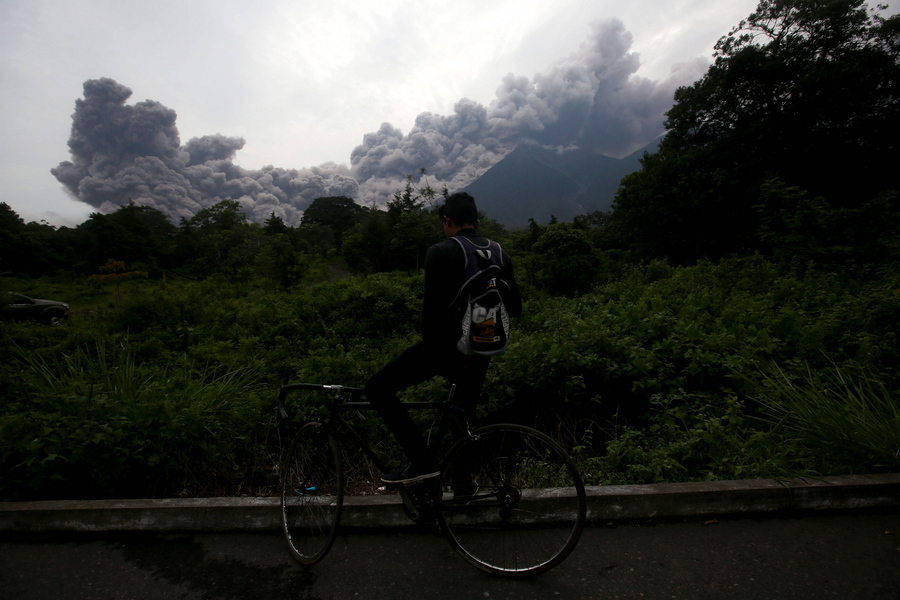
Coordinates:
x,y
305,83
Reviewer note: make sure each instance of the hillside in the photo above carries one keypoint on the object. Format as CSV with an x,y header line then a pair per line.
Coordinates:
x,y
536,182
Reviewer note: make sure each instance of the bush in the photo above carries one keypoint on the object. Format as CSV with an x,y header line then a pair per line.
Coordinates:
x,y
94,423
651,376
658,362
565,262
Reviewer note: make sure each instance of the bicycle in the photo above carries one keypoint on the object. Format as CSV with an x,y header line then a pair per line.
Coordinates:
x,y
509,499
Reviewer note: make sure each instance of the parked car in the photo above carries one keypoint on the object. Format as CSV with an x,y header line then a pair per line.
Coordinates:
x,y
19,307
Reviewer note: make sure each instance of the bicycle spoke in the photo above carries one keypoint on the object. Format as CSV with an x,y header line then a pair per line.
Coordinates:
x,y
529,510
510,500
312,494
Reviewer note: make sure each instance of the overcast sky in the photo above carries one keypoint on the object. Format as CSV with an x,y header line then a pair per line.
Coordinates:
x,y
303,82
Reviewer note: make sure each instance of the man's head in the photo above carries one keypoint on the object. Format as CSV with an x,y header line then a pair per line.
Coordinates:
x,y
460,209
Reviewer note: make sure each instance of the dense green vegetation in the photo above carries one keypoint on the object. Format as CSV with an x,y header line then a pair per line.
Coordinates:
x,y
735,316
661,374
787,144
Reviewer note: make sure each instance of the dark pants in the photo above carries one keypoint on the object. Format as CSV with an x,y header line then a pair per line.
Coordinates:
x,y
414,365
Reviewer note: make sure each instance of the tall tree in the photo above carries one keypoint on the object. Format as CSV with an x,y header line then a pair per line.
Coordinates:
x,y
11,229
568,261
224,215
337,213
803,91
398,237
219,239
133,234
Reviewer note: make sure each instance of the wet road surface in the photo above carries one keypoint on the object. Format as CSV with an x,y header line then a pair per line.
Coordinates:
x,y
846,556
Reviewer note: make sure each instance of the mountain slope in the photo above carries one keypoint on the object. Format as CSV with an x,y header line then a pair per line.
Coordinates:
x,y
535,182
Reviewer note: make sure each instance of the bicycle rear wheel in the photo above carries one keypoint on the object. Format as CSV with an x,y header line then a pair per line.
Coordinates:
x,y
312,493
513,502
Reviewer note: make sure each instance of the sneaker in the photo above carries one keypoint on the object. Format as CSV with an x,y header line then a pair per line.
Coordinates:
x,y
409,473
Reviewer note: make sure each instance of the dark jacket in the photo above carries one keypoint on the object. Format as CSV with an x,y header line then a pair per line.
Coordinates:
x,y
444,267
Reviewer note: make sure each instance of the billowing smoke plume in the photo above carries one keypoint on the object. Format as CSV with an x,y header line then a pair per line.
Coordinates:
x,y
591,100
132,153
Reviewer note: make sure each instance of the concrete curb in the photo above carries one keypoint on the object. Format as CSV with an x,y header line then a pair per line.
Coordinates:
x,y
743,497
605,504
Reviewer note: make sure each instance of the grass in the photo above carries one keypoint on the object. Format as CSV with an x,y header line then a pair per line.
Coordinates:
x,y
95,421
849,417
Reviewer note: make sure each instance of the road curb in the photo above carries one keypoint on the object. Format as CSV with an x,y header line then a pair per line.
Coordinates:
x,y
605,504
712,498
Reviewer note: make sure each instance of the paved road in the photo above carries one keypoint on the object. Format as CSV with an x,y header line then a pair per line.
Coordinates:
x,y
838,556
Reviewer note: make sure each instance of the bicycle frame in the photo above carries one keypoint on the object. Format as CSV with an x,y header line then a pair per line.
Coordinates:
x,y
338,425
520,480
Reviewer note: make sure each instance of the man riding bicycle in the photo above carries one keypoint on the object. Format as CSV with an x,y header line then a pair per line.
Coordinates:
x,y
437,353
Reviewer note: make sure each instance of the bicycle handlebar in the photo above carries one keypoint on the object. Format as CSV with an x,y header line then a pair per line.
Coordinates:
x,y
292,387
338,389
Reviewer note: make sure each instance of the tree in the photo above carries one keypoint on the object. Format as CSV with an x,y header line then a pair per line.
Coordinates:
x,y
32,249
275,225
414,198
140,235
366,244
489,227
337,213
565,262
398,237
281,261
114,272
222,216
805,91
12,228
413,232
219,239
411,216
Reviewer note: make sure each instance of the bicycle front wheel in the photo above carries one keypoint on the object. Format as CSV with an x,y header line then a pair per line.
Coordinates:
x,y
312,493
513,502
